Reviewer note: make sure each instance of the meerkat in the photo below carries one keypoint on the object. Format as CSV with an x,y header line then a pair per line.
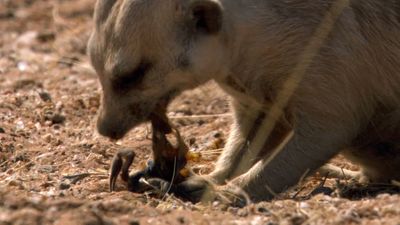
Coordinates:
x,y
308,79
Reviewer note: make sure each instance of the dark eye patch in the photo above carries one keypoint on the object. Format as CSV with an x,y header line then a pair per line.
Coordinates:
x,y
122,83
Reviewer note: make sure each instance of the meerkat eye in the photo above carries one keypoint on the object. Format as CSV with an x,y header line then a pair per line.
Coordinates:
x,y
122,83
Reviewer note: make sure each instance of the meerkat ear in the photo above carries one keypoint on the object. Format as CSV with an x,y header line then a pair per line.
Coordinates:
x,y
206,16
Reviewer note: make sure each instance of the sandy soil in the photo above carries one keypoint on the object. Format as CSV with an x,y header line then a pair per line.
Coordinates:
x,y
54,166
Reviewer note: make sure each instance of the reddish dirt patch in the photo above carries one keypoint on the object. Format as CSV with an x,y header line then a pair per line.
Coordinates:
x,y
54,167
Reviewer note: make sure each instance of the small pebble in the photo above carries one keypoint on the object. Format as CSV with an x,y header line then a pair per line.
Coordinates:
x,y
19,125
134,222
64,186
217,134
48,137
46,169
57,118
304,205
192,141
22,66
263,210
297,219
243,212
45,96
181,220
215,203
59,105
46,36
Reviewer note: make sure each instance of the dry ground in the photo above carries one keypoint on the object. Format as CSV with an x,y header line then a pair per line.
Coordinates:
x,y
54,167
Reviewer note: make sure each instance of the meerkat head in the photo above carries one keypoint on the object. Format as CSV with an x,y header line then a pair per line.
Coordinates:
x,y
147,51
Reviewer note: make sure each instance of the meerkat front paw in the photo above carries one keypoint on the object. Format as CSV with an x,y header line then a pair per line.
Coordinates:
x,y
201,189
196,189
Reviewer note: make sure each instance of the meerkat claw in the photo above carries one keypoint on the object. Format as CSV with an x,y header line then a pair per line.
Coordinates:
x,y
121,161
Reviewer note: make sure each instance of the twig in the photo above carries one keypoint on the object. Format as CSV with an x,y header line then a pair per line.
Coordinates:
x,y
4,163
77,177
298,192
205,116
19,168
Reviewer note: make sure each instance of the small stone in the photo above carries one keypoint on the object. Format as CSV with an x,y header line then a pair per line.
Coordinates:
x,y
192,141
38,126
134,222
48,137
59,105
20,157
45,96
56,142
94,102
297,219
2,131
271,223
46,36
200,122
233,210
64,186
181,220
22,66
57,118
243,212
304,205
13,183
46,169
215,203
263,210
19,125
217,134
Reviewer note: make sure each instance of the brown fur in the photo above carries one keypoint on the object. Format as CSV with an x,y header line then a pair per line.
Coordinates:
x,y
348,96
